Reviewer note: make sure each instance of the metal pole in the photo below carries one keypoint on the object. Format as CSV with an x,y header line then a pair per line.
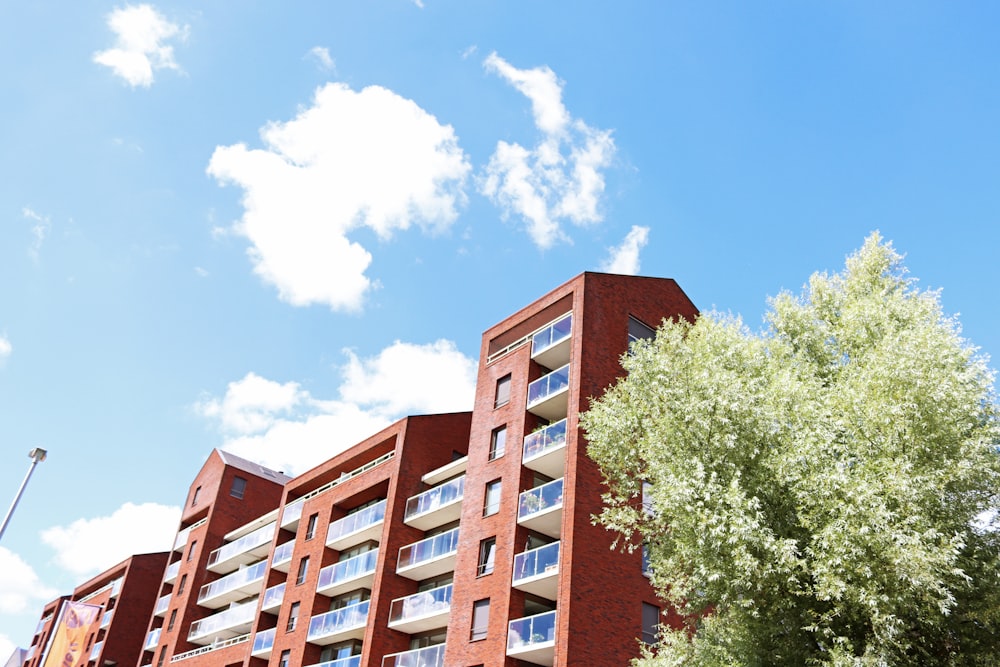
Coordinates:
x,y
37,455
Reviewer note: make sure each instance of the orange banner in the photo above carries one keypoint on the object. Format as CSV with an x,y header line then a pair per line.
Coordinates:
x,y
67,645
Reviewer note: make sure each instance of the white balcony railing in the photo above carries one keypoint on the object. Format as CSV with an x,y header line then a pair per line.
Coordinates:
x,y
550,345
422,611
548,395
540,508
347,574
282,556
223,625
349,661
437,506
152,639
532,638
242,551
545,449
537,571
429,557
356,528
339,625
263,642
429,656
273,598
233,587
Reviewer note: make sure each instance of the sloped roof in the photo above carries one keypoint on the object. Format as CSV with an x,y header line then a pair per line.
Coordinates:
x,y
253,468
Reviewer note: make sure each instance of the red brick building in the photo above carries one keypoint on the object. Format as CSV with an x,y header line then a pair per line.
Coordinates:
x,y
455,539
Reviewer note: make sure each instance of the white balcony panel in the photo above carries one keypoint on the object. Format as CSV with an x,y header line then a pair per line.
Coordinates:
x,y
273,598
357,528
548,396
234,587
533,638
550,346
263,642
162,603
422,611
540,509
436,507
243,551
430,557
232,622
348,575
429,656
545,450
291,514
281,559
537,571
447,471
349,661
170,574
339,625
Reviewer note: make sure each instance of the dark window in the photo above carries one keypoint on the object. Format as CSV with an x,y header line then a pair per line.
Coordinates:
x,y
487,556
480,618
491,504
238,488
173,618
650,621
311,526
498,442
180,587
303,570
293,617
646,567
638,331
163,653
194,498
285,658
503,391
191,549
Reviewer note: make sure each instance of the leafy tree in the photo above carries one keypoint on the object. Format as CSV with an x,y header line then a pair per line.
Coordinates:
x,y
818,493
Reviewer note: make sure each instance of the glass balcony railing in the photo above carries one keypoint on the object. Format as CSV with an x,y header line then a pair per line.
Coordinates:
x,y
528,632
106,618
171,572
428,549
257,538
540,499
358,521
425,603
349,661
273,596
338,620
263,641
116,586
96,651
292,512
429,656
182,538
547,385
430,500
234,581
161,605
546,439
152,639
224,620
347,570
282,553
551,335
536,562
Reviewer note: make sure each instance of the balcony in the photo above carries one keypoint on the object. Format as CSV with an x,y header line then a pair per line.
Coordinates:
x,y
349,661
106,618
437,506
273,598
339,625
233,587
545,450
291,514
170,575
537,571
263,642
152,639
446,472
348,575
96,651
281,560
421,612
428,558
227,624
550,346
356,528
548,396
429,656
247,549
540,508
182,539
162,603
533,638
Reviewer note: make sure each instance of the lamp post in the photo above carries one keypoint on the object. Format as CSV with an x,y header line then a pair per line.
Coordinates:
x,y
37,455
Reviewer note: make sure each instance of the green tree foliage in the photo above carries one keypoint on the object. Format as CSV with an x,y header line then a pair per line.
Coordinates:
x,y
817,493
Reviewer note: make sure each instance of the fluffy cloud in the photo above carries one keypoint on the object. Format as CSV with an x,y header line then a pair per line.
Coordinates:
x,y
141,45
284,427
20,588
625,257
88,546
561,178
352,159
322,56
40,227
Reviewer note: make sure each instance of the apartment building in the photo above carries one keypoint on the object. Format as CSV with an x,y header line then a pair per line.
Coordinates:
x,y
460,539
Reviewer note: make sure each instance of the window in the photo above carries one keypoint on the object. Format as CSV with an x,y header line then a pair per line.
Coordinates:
x,y
293,617
194,545
238,488
647,569
480,618
173,619
286,657
503,391
650,621
487,556
498,442
194,498
491,504
180,587
163,653
638,331
311,526
303,570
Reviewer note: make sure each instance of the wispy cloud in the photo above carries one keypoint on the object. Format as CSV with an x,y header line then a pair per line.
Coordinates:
x,y
625,257
142,44
285,427
321,55
41,225
353,159
6,349
20,586
559,179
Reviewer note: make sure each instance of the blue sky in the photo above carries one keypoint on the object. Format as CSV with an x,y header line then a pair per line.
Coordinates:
x,y
276,227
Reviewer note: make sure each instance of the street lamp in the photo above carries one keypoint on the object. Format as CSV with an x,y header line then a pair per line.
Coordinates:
x,y
37,455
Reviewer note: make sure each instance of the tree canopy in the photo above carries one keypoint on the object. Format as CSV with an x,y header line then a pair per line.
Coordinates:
x,y
823,492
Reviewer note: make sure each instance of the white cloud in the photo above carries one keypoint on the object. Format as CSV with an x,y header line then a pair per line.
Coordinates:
x,y
141,44
201,272
40,228
20,588
89,546
284,427
322,55
6,647
352,159
624,258
6,349
561,178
